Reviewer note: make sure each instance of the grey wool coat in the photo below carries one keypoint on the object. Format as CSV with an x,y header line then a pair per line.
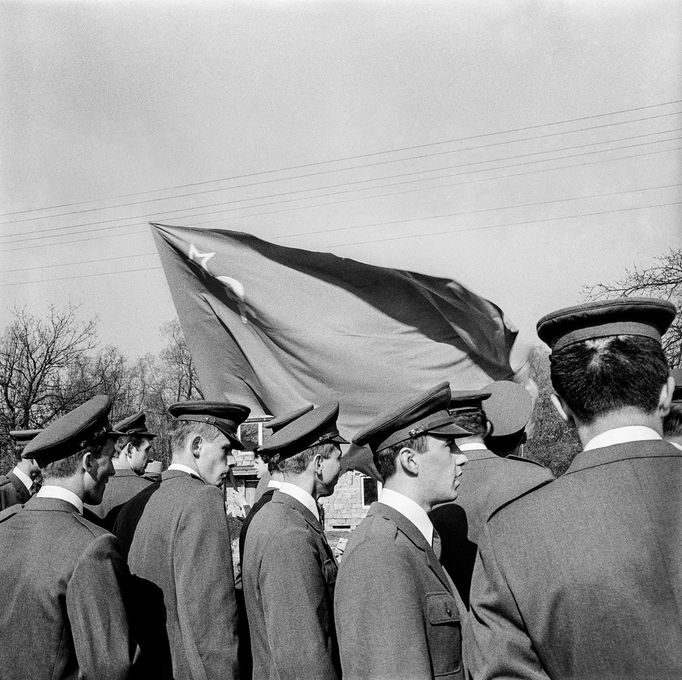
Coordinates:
x,y
582,578
119,489
289,572
181,547
396,616
62,612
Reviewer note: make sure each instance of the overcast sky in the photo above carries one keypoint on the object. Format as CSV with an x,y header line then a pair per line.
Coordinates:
x,y
449,115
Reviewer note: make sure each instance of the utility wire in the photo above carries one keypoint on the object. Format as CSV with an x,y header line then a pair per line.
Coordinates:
x,y
384,224
393,238
325,172
274,212
355,182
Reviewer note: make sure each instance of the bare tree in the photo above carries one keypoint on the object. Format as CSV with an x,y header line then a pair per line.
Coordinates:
x,y
181,378
35,357
662,280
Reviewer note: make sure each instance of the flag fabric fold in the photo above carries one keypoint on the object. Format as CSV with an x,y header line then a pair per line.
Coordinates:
x,y
276,328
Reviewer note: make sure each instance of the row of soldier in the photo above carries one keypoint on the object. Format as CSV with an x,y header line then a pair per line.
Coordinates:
x,y
523,576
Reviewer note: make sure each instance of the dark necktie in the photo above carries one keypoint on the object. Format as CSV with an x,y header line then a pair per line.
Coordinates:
x,y
435,544
35,487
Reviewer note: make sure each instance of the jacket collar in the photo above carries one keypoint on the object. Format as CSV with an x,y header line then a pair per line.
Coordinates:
x,y
54,504
625,451
414,535
179,474
295,504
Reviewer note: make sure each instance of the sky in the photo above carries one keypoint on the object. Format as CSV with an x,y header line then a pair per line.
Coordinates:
x,y
524,149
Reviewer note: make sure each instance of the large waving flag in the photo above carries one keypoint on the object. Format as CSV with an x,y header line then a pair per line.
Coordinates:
x,y
277,328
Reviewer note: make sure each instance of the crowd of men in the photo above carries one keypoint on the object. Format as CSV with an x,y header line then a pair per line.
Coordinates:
x,y
474,563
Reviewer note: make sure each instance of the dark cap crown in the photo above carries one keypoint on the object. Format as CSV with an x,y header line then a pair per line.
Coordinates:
x,y
316,426
509,408
278,423
64,436
423,414
647,317
223,415
135,424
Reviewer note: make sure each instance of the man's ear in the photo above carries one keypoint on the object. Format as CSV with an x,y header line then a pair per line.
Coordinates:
x,y
88,462
562,409
128,450
665,398
407,458
195,445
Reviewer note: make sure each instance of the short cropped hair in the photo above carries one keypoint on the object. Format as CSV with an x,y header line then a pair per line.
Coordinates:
x,y
295,465
595,377
66,467
672,423
134,439
385,459
473,420
182,430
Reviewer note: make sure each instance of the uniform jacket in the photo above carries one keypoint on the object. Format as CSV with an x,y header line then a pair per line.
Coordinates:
x,y
119,489
289,573
181,546
396,616
487,483
265,497
12,491
582,578
62,614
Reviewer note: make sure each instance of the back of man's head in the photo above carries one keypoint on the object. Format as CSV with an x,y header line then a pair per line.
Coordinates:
x,y
599,376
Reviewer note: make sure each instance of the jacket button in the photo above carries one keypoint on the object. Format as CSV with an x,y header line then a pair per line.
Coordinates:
x,y
448,611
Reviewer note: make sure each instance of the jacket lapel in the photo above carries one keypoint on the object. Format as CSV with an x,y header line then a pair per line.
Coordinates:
x,y
415,536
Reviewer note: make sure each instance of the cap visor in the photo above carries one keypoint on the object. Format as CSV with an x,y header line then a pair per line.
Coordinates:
x,y
449,430
338,439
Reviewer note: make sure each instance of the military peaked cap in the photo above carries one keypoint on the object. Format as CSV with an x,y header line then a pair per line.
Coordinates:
x,y
278,423
467,400
66,435
316,426
424,414
135,425
223,415
677,394
648,317
509,408
22,437
360,458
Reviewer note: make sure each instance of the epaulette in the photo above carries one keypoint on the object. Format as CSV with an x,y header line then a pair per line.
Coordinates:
x,y
526,460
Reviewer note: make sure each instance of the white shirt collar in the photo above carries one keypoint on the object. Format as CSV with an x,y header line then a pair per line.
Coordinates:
x,y
274,484
300,495
621,435
50,491
408,508
184,468
676,445
25,479
472,446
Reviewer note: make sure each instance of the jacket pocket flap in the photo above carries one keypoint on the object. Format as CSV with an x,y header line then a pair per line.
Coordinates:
x,y
441,608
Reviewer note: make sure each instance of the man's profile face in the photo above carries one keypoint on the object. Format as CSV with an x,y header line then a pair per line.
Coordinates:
x,y
331,468
140,456
213,461
98,475
439,468
260,465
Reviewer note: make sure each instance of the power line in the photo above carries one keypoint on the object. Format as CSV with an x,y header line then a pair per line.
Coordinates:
x,y
393,238
387,223
354,182
282,210
325,172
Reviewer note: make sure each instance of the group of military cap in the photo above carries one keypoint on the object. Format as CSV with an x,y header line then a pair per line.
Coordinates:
x,y
523,576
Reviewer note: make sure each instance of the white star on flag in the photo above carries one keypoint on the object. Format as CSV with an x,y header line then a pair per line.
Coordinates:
x,y
235,287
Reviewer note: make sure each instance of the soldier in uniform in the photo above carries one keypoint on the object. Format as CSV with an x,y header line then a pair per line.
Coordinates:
x,y
396,610
181,544
133,451
274,479
23,481
489,480
62,612
580,578
289,569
